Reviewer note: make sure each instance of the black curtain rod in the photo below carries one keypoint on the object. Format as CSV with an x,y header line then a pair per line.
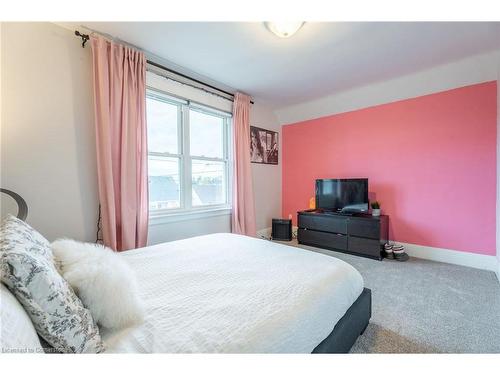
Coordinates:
x,y
190,78
85,39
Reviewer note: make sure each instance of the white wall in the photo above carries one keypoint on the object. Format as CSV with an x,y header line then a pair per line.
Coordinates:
x,y
48,140
48,152
266,177
164,232
475,69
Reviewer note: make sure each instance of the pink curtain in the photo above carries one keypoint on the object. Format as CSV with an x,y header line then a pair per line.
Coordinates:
x,y
243,215
119,74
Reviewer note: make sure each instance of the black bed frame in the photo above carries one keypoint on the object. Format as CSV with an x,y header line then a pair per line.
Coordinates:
x,y
349,327
344,334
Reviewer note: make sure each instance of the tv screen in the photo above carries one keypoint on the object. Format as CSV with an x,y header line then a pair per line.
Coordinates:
x,y
344,195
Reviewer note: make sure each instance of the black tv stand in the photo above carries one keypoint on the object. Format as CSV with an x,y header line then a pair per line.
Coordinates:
x,y
354,233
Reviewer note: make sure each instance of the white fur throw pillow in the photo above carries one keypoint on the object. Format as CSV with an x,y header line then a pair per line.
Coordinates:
x,y
104,282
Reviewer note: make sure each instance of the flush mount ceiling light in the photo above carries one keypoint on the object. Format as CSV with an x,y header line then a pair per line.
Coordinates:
x,y
284,29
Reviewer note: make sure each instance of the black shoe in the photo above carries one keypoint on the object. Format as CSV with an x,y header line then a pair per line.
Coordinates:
x,y
388,253
399,253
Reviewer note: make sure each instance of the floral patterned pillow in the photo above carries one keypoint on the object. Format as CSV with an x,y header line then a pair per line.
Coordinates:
x,y
27,269
22,234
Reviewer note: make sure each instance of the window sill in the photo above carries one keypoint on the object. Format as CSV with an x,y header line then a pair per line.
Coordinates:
x,y
159,218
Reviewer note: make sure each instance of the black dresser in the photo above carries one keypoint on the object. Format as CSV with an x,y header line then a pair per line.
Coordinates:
x,y
359,234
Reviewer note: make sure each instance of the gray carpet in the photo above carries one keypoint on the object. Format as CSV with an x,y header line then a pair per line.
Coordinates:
x,y
420,306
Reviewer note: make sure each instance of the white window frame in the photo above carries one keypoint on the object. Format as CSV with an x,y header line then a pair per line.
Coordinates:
x,y
186,208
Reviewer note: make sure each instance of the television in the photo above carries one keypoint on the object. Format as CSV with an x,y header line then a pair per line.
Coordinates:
x,y
344,195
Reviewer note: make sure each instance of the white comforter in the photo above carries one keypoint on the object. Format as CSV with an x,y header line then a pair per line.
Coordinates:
x,y
231,293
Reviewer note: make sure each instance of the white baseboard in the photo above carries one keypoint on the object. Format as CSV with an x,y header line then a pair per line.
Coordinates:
x,y
264,233
461,258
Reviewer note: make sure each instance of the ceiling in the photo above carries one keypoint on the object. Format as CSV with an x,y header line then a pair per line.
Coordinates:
x,y
321,59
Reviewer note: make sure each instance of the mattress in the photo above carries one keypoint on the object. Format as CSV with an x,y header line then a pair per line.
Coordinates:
x,y
226,293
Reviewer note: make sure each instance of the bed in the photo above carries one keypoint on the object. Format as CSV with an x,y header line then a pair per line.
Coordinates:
x,y
226,293
219,293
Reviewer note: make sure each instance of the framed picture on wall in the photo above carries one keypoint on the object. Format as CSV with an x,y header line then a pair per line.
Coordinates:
x,y
263,146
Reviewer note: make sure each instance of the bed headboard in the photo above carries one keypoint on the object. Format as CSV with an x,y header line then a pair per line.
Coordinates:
x,y
22,207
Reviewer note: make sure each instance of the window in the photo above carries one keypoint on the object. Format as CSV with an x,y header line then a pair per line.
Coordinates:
x,y
188,155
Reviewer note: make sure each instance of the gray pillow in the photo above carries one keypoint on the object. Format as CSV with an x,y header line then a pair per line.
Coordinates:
x,y
28,270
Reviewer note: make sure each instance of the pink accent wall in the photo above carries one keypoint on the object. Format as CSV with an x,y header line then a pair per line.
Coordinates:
x,y
430,161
